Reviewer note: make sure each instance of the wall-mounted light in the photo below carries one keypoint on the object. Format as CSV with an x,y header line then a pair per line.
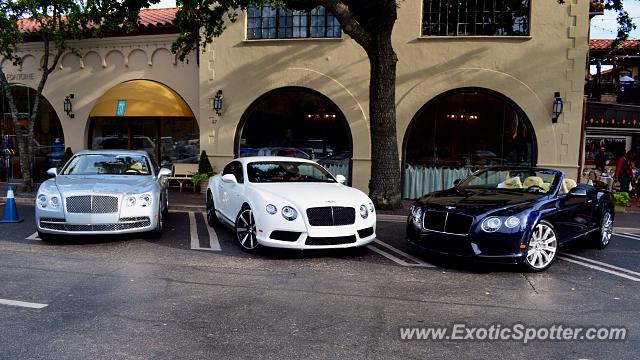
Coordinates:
x,y
217,102
557,107
68,107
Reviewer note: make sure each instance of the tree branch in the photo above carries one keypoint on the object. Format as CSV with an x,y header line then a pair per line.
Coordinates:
x,y
348,22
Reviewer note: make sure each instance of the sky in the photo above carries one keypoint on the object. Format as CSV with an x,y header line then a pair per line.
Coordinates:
x,y
602,26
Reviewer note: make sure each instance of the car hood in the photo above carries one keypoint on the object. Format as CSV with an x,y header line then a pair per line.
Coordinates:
x,y
305,195
104,184
477,201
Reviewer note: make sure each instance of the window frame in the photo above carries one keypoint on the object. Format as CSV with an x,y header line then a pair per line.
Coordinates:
x,y
281,24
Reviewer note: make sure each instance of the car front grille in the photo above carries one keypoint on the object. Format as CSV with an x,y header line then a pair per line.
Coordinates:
x,y
331,216
447,222
123,224
92,204
339,240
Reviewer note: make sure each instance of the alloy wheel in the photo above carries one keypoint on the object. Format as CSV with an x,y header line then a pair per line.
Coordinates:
x,y
606,229
543,246
246,229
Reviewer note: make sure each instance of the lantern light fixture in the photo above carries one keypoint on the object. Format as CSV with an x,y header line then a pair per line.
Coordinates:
x,y
68,107
557,107
217,102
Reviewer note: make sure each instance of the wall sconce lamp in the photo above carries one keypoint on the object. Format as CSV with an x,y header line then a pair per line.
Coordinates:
x,y
68,108
557,107
217,102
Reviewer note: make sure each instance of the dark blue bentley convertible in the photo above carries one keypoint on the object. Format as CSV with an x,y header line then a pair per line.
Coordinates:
x,y
508,214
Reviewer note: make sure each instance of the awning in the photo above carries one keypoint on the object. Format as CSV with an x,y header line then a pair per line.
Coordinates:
x,y
140,98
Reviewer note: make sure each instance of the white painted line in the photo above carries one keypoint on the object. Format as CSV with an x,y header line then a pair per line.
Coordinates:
x,y
602,264
628,236
595,267
388,256
398,251
22,304
391,218
213,236
33,236
195,243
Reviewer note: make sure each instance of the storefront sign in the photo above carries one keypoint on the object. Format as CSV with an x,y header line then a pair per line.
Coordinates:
x,y
21,76
120,107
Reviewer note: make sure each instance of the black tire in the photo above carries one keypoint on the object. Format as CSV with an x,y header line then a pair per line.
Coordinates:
x,y
601,238
157,232
165,211
542,248
212,218
245,230
47,237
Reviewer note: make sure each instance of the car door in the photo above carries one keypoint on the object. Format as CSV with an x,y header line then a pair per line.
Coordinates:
x,y
229,192
573,214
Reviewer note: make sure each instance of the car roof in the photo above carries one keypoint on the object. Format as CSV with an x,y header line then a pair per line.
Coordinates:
x,y
249,159
113,151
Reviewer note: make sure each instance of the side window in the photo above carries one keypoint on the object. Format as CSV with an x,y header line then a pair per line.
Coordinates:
x,y
239,174
228,169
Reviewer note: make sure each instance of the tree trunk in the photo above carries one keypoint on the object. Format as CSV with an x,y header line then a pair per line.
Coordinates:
x,y
384,186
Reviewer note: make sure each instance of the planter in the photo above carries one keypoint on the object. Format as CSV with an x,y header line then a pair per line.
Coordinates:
x,y
203,186
620,209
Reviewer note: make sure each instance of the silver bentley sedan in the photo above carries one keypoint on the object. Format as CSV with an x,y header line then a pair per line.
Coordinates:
x,y
103,192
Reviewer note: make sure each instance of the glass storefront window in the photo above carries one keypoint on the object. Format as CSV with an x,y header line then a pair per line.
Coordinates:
x,y
461,132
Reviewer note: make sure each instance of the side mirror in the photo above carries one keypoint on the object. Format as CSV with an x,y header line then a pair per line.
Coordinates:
x,y
229,178
456,182
53,171
578,191
164,172
341,179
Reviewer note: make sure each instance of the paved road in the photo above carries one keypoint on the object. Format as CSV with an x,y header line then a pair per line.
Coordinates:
x,y
178,298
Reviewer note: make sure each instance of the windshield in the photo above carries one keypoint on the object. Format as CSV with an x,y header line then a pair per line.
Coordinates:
x,y
529,180
287,171
107,164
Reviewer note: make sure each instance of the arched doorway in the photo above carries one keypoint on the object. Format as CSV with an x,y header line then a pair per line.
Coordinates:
x,y
299,122
48,137
459,132
145,115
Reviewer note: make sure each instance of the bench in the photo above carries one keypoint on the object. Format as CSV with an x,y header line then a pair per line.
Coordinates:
x,y
182,173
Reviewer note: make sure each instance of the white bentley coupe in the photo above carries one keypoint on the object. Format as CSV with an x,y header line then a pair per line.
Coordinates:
x,y
289,203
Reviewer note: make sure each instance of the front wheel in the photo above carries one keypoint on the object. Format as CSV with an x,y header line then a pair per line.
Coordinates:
x,y
157,232
212,218
602,237
246,230
543,247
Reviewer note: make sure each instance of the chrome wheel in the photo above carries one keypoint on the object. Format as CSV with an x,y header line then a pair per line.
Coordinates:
x,y
543,246
246,229
606,230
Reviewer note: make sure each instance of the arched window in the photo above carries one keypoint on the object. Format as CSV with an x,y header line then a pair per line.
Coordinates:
x,y
459,132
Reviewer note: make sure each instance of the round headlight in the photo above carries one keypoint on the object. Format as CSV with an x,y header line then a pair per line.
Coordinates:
x,y
491,224
42,200
371,208
271,209
289,213
131,201
54,201
511,222
145,200
364,213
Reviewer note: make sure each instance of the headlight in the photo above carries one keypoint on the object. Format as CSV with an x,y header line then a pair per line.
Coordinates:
x,y
289,213
131,201
271,209
145,200
42,200
54,202
371,208
416,214
512,221
364,213
491,224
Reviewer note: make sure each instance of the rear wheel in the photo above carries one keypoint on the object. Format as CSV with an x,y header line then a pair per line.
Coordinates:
x,y
246,230
543,247
602,237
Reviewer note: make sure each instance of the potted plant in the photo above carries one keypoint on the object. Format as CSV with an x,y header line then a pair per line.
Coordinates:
x,y
205,171
621,201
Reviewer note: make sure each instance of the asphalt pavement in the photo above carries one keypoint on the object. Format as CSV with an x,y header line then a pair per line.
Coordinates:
x,y
194,294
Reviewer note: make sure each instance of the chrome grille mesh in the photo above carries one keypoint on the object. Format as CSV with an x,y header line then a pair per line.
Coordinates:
x,y
124,224
92,204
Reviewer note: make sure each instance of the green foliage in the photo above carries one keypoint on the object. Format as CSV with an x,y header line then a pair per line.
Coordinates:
x,y
621,199
200,177
204,165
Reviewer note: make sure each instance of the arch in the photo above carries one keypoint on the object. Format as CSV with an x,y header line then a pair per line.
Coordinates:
x,y
137,58
523,143
92,59
320,111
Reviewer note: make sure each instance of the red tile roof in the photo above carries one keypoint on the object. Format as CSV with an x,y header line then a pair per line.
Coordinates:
x,y
604,44
149,18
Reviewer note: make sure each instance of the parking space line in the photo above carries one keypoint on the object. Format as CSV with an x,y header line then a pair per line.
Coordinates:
x,y
602,264
599,268
193,232
410,257
628,236
22,304
389,256
34,237
213,236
